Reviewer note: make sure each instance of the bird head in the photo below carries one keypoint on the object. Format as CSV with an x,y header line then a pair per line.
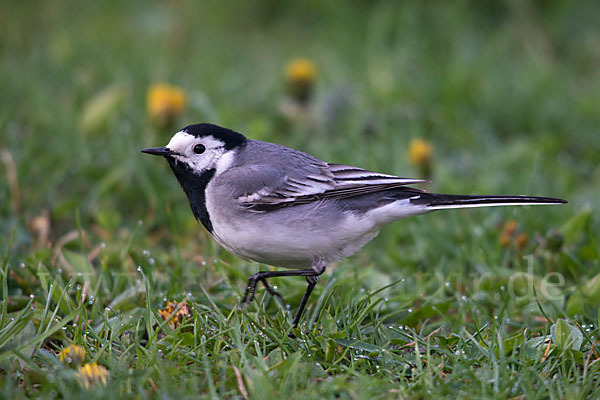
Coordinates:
x,y
200,148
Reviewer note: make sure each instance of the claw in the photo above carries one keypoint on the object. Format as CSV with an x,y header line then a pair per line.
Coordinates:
x,y
271,291
250,291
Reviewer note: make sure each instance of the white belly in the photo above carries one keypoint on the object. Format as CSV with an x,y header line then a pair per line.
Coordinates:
x,y
296,243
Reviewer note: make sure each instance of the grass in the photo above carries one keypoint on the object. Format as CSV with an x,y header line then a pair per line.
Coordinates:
x,y
96,238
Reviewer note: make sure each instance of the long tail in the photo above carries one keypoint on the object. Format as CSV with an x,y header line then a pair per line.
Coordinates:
x,y
433,201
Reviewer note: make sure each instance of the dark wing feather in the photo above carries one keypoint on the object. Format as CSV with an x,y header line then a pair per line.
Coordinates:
x,y
333,181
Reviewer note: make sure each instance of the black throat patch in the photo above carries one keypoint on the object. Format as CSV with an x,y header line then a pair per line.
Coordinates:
x,y
194,187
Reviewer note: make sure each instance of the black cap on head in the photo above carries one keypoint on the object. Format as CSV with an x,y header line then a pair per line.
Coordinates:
x,y
232,139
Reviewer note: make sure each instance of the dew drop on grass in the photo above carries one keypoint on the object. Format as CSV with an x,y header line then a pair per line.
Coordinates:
x,y
139,268
64,328
32,296
146,253
102,245
22,265
447,284
140,222
410,310
464,298
151,261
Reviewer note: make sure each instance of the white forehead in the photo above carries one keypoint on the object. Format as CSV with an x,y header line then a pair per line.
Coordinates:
x,y
183,142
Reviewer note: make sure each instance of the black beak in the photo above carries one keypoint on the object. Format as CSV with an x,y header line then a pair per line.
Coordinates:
x,y
159,151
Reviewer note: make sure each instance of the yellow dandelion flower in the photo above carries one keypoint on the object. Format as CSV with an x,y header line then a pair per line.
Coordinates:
x,y
300,74
420,154
183,312
72,355
165,103
93,373
301,70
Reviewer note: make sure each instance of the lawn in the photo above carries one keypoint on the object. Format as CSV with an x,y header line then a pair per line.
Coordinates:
x,y
110,288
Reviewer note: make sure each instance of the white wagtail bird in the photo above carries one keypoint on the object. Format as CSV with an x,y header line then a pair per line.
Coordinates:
x,y
278,206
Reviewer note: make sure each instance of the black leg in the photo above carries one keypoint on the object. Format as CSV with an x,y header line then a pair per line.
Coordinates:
x,y
312,281
311,275
262,276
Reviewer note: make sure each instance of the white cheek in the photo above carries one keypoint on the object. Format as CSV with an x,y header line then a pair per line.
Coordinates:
x,y
199,163
224,162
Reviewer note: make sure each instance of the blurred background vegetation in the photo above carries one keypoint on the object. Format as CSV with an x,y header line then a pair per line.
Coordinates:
x,y
497,97
507,92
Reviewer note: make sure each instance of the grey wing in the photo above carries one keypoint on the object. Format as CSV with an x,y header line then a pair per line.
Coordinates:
x,y
266,187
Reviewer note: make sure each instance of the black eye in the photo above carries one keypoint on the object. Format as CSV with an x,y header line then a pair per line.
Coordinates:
x,y
199,149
